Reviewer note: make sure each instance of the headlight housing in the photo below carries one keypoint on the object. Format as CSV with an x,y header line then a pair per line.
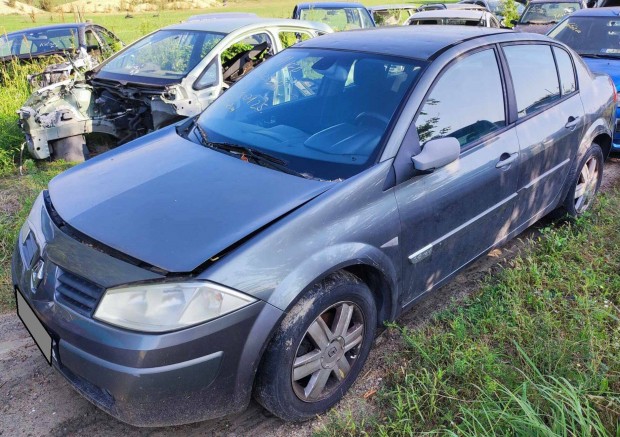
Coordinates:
x,y
167,306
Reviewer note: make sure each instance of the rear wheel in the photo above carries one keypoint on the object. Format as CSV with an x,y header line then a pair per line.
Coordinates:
x,y
584,181
319,349
71,149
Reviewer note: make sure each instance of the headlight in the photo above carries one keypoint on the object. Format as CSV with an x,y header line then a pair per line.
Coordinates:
x,y
166,307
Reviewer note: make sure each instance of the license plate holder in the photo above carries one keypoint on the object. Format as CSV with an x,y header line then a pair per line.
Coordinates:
x,y
34,326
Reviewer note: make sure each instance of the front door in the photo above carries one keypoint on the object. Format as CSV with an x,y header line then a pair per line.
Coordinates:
x,y
457,212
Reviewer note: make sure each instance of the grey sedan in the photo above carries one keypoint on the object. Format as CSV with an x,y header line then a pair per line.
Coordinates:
x,y
257,249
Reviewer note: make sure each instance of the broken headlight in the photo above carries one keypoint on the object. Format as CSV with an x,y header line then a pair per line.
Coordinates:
x,y
167,307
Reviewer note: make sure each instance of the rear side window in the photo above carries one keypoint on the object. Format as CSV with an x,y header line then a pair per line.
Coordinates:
x,y
467,102
534,76
566,71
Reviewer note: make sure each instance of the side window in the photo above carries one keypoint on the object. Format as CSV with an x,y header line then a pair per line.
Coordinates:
x,y
113,44
467,102
566,71
242,56
208,78
530,61
289,39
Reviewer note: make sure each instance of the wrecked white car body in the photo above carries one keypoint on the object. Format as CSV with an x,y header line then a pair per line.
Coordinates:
x,y
170,74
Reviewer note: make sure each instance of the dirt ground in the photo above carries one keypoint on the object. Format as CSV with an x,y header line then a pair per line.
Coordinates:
x,y
36,401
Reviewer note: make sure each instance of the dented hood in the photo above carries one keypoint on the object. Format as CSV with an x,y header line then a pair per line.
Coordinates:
x,y
172,203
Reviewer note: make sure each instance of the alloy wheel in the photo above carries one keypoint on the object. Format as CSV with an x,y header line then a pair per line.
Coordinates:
x,y
327,351
587,185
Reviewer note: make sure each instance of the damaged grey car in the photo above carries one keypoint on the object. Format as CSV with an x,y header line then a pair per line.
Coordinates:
x,y
170,74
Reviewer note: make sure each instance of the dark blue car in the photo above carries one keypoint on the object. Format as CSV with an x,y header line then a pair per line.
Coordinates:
x,y
595,35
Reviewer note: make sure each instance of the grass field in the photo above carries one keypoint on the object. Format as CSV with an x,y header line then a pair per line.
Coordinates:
x,y
129,29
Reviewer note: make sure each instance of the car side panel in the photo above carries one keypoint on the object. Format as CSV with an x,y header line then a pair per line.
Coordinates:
x,y
547,147
354,223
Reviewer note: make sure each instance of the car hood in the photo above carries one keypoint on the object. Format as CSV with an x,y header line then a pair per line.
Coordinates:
x,y
607,66
533,28
174,204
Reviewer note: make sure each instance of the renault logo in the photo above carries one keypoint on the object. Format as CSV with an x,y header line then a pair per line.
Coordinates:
x,y
37,275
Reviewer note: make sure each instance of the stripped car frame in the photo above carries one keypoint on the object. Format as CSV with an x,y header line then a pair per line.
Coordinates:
x,y
121,107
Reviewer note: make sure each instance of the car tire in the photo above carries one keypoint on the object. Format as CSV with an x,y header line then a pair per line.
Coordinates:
x,y
585,181
71,149
333,327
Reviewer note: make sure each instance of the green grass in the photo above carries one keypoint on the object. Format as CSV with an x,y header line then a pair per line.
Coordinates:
x,y
536,352
17,194
130,29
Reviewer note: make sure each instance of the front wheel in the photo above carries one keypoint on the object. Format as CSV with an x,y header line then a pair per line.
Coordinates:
x,y
584,180
319,349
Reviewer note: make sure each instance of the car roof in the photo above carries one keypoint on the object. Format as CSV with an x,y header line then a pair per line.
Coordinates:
x,y
318,5
449,13
390,7
419,42
51,27
598,12
553,1
228,25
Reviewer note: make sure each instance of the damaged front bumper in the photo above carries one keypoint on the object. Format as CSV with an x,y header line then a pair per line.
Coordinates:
x,y
172,378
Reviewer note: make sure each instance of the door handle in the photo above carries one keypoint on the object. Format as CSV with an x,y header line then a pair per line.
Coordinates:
x,y
506,159
572,122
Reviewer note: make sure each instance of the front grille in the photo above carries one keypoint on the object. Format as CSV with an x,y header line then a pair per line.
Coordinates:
x,y
77,293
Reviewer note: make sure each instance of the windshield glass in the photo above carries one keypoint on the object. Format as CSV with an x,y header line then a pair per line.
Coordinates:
x,y
322,113
339,19
37,42
161,58
538,13
590,35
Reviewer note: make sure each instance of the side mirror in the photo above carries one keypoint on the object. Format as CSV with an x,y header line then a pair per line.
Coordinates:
x,y
437,153
514,22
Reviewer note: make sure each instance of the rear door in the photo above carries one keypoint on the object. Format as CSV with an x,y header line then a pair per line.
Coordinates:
x,y
550,123
457,212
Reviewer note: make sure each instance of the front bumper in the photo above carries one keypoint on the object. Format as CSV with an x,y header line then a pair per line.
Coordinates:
x,y
190,375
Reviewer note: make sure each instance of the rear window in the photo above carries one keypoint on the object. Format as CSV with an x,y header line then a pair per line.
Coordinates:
x,y
566,71
532,61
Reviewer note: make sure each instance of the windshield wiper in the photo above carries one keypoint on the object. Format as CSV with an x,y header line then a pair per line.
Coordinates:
x,y
240,152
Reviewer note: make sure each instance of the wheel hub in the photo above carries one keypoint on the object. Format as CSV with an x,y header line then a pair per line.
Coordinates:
x,y
332,353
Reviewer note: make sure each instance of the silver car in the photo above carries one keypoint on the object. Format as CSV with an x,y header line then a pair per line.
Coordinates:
x,y
172,73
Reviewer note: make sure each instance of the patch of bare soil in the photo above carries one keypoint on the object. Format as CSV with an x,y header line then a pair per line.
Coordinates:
x,y
18,8
37,401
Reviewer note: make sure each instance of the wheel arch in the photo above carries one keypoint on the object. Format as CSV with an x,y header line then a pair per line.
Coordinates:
x,y
371,265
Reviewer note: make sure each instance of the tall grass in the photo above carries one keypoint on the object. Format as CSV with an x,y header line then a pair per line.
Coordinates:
x,y
14,90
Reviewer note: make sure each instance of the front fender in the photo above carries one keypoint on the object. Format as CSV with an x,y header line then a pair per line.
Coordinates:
x,y
337,257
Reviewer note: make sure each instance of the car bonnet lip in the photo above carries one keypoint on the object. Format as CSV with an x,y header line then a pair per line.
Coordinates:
x,y
172,203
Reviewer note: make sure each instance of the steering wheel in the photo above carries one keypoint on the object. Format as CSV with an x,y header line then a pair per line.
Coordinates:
x,y
372,117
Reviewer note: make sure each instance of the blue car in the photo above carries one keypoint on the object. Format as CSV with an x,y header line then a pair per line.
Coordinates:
x,y
595,35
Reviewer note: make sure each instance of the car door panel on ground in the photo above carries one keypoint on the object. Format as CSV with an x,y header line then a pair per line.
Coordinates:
x,y
550,138
439,210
